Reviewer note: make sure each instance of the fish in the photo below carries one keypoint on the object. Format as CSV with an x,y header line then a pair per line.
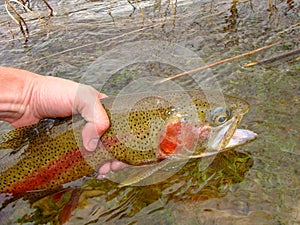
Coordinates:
x,y
146,129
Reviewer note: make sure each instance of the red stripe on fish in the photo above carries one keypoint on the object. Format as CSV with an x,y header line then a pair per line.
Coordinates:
x,y
41,178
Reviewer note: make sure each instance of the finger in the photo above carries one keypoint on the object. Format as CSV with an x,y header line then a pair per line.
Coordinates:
x,y
95,128
117,165
103,170
90,107
90,136
110,166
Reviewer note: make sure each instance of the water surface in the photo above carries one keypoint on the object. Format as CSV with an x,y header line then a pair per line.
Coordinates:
x,y
257,183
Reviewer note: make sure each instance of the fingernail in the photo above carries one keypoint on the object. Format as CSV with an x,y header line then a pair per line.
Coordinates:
x,y
101,177
93,144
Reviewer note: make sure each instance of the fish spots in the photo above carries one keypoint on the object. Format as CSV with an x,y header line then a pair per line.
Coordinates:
x,y
200,104
134,138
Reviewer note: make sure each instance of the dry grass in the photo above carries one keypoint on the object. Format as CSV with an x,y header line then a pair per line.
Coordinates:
x,y
17,8
14,9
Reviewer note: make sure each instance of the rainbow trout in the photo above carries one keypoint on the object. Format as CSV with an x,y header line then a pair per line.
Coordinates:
x,y
145,129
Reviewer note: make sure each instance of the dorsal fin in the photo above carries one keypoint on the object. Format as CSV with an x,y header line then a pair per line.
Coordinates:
x,y
17,138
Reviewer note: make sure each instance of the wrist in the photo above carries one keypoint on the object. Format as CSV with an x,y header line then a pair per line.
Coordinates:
x,y
16,91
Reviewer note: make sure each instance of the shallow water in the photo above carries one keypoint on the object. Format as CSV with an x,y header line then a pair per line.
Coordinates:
x,y
258,184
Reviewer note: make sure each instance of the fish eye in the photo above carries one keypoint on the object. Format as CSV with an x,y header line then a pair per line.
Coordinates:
x,y
219,115
222,119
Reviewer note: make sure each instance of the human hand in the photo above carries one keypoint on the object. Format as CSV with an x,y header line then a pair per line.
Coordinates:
x,y
85,100
28,97
60,98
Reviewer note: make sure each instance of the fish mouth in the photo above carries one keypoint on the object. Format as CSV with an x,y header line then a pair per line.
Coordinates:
x,y
228,136
240,137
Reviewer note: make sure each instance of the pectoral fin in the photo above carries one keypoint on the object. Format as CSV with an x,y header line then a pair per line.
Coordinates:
x,y
146,174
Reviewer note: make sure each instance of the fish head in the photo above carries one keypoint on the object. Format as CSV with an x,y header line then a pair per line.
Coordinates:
x,y
223,120
215,129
